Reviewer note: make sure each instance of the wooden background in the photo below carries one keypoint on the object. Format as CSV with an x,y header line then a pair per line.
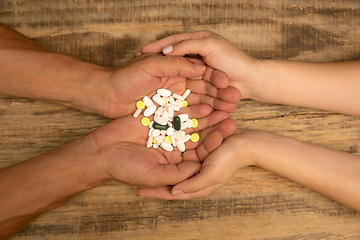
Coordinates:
x,y
255,204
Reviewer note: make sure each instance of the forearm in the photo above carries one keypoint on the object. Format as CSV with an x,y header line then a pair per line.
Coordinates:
x,y
32,71
45,182
327,86
332,173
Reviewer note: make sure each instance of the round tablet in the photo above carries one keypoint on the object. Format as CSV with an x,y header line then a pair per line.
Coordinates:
x,y
145,121
195,137
184,103
195,122
140,104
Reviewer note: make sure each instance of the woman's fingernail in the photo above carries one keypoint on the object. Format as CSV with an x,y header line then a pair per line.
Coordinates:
x,y
167,50
177,192
199,66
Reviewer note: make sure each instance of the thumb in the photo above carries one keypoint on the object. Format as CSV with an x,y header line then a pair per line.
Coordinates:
x,y
173,66
171,174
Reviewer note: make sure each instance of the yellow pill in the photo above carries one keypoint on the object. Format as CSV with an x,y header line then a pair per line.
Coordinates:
x,y
154,141
167,139
145,121
140,104
195,122
185,103
195,137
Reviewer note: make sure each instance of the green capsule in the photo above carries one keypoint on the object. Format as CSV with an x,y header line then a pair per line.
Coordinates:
x,y
177,123
159,126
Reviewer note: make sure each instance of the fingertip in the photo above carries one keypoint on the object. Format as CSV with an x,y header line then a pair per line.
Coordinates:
x,y
229,94
219,79
177,192
167,50
227,127
138,54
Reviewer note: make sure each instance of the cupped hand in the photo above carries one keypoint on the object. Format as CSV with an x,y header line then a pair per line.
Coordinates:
x,y
218,167
216,51
125,158
149,72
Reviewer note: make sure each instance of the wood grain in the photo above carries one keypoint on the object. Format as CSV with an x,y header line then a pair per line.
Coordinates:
x,y
255,204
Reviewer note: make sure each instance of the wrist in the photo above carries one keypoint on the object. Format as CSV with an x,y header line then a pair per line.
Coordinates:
x,y
81,86
252,84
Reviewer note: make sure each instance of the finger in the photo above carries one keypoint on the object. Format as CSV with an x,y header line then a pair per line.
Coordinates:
x,y
212,119
215,103
158,46
212,141
166,193
218,78
202,87
161,66
197,152
229,94
196,111
171,174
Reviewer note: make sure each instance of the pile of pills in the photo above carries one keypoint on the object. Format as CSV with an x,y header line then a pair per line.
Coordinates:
x,y
167,129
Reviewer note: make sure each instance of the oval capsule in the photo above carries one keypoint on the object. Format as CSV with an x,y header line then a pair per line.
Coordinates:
x,y
177,123
164,92
150,111
167,146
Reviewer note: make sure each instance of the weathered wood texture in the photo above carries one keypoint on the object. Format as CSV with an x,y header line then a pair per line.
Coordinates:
x,y
255,204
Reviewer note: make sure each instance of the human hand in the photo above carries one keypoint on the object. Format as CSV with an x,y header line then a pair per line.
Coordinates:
x,y
216,51
217,169
145,74
125,158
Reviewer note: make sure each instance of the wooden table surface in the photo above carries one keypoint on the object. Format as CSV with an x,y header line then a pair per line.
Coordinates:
x,y
255,204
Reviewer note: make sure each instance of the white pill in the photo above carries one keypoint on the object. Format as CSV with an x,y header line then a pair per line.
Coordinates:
x,y
178,103
160,120
151,131
170,124
155,133
183,117
186,94
179,134
155,145
189,123
172,100
159,139
165,115
166,99
158,100
158,111
177,96
149,142
175,107
147,101
183,126
150,111
167,146
171,112
180,145
164,92
137,113
163,133
173,141
151,124
185,138
170,131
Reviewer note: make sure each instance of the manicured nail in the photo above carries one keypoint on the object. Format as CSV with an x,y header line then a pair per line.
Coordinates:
x,y
199,66
167,50
177,192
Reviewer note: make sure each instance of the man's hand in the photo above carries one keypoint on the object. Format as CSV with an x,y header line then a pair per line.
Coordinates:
x,y
147,73
125,158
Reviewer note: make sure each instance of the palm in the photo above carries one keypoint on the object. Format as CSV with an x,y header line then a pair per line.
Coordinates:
x,y
124,155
